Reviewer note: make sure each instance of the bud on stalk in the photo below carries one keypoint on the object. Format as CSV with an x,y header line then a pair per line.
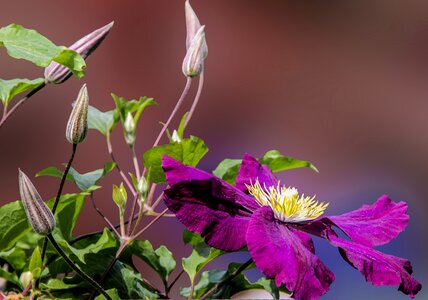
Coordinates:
x,y
193,62
41,218
77,125
57,73
129,127
192,23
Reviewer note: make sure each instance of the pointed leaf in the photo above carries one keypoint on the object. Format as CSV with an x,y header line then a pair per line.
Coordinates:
x,y
101,121
189,151
28,44
13,87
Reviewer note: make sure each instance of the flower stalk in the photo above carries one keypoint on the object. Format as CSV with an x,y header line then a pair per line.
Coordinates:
x,y
72,265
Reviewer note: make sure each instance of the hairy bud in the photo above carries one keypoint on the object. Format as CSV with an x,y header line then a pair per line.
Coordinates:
x,y
41,218
193,62
57,73
77,125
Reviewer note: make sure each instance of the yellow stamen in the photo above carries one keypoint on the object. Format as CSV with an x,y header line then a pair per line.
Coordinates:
x,y
286,203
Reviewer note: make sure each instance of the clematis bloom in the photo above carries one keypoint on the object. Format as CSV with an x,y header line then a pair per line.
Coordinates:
x,y
273,221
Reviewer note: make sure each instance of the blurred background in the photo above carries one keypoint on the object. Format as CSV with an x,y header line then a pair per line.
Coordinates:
x,y
340,83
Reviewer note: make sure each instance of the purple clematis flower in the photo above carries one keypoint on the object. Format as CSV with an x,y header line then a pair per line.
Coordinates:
x,y
274,221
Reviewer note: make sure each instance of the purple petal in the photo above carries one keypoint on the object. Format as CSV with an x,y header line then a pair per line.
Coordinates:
x,y
376,224
377,267
251,170
280,254
212,208
176,171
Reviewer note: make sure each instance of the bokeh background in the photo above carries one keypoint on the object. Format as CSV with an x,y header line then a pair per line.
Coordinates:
x,y
340,83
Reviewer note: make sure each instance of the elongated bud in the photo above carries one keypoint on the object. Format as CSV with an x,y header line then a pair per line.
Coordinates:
x,y
77,125
41,218
57,73
129,127
193,62
192,23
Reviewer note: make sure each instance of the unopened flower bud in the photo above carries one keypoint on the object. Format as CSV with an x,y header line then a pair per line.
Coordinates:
x,y
192,23
193,62
143,188
41,218
57,73
77,125
26,278
129,127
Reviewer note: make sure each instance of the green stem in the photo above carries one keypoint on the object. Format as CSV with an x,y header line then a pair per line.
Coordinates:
x,y
227,279
77,269
55,205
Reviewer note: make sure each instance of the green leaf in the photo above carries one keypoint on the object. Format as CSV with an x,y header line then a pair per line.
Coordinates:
x,y
12,277
180,129
278,162
16,257
189,151
13,224
201,255
57,284
238,284
160,260
124,106
13,87
83,181
101,121
68,211
228,168
111,292
28,44
35,266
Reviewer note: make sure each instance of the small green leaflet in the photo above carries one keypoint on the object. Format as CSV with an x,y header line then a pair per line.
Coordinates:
x,y
125,106
228,168
13,87
189,151
84,181
101,121
35,265
28,44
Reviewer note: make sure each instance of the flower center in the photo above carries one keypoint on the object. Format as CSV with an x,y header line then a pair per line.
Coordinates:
x,y
286,203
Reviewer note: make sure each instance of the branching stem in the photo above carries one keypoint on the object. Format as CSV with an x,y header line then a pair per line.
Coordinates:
x,y
196,100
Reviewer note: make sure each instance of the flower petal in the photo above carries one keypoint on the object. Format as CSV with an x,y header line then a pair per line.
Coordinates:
x,y
376,224
212,208
251,170
279,253
377,267
176,171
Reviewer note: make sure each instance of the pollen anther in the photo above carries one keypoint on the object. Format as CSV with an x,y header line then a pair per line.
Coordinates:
x,y
286,203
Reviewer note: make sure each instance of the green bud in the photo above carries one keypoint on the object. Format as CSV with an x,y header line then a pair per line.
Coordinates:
x,y
120,196
77,125
41,218
129,127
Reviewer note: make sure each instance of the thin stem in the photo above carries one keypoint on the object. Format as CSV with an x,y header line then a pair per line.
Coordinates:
x,y
103,216
64,177
158,200
150,224
136,164
134,204
196,101
125,179
174,282
174,111
227,279
19,103
77,269
55,205
151,193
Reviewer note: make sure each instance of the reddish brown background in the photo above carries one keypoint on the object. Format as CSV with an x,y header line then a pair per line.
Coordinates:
x,y
341,84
